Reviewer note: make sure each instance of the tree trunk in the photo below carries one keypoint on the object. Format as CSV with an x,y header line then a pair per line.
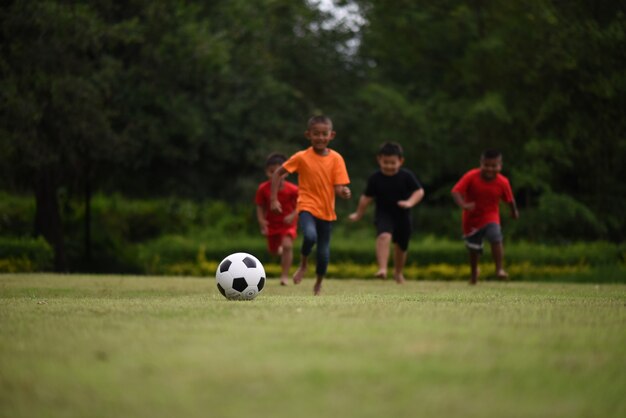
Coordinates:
x,y
47,216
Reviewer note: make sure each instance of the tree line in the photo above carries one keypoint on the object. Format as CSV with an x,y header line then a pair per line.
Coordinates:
x,y
179,98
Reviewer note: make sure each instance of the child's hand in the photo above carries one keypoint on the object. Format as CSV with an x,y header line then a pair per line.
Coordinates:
x,y
263,226
404,204
289,218
469,205
354,217
275,206
345,192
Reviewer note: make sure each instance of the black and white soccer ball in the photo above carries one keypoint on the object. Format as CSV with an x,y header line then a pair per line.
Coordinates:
x,y
240,276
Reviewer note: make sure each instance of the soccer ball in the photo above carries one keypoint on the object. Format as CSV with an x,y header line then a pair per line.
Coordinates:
x,y
240,276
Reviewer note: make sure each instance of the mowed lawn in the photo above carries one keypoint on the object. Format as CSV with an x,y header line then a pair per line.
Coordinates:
x,y
119,346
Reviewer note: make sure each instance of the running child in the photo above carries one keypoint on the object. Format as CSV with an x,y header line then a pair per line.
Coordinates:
x,y
479,193
279,228
395,191
322,175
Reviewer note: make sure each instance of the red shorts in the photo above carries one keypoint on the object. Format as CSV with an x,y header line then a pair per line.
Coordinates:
x,y
274,241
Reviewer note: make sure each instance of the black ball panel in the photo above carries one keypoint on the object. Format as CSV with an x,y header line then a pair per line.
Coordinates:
x,y
250,263
225,266
240,284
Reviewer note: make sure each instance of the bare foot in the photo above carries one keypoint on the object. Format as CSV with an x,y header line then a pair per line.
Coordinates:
x,y
399,278
381,274
502,275
474,278
317,289
298,275
283,281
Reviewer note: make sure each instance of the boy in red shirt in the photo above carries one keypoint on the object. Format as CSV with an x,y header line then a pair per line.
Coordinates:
x,y
322,175
279,228
479,193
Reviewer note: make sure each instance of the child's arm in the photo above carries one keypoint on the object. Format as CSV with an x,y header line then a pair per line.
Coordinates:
x,y
289,219
343,191
458,199
413,200
261,216
514,211
277,177
364,202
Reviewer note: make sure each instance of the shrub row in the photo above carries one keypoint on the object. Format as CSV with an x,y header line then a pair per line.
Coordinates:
x,y
24,255
524,271
171,250
428,259
146,236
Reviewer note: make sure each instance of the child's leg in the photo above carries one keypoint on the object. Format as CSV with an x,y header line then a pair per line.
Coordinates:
x,y
317,288
474,256
399,262
309,238
497,251
382,253
493,233
401,237
474,244
286,258
324,229
299,274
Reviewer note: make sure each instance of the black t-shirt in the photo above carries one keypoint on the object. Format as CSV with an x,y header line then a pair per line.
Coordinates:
x,y
388,190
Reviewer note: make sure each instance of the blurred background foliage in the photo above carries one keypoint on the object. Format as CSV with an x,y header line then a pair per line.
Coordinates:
x,y
124,123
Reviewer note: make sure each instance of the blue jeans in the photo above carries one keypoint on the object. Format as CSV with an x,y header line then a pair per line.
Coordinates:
x,y
316,231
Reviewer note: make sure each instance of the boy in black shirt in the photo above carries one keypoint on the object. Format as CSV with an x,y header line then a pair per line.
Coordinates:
x,y
396,191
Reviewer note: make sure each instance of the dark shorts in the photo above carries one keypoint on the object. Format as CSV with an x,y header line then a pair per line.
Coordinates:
x,y
398,226
491,232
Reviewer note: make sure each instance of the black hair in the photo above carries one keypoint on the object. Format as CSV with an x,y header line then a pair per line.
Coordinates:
x,y
490,154
275,158
390,149
319,119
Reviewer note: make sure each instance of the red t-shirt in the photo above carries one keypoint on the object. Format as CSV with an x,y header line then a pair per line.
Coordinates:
x,y
287,196
486,195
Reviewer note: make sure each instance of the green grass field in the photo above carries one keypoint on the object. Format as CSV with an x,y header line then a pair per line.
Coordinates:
x,y
115,346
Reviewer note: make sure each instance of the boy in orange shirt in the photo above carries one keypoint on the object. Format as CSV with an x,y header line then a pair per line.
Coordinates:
x,y
322,175
279,228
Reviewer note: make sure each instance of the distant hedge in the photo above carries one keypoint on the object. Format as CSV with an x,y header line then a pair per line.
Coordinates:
x,y
157,257
25,255
145,236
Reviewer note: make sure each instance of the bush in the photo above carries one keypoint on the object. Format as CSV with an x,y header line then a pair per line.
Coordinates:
x,y
17,214
158,256
149,235
558,218
25,255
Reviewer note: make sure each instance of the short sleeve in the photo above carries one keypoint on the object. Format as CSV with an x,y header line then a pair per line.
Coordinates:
x,y
412,183
341,172
259,198
461,185
507,192
370,187
292,164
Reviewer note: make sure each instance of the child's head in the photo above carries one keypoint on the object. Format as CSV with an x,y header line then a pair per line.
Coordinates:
x,y
273,162
320,132
490,164
390,158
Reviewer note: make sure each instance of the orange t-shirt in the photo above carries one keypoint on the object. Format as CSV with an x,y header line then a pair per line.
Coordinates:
x,y
317,177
